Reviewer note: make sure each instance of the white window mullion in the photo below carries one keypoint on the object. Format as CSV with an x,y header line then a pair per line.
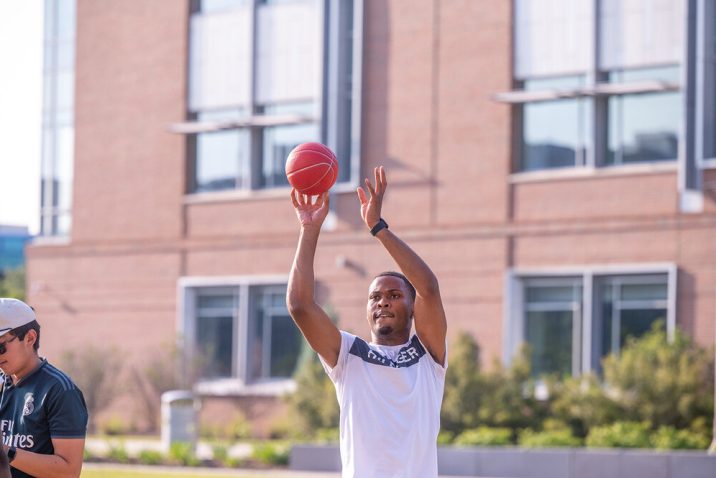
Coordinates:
x,y
587,314
242,334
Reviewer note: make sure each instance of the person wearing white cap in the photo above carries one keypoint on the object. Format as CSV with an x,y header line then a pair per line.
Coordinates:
x,y
43,415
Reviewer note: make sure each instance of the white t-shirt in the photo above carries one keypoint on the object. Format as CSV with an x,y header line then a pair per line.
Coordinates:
x,y
390,399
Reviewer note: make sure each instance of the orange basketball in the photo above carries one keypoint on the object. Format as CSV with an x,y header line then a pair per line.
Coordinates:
x,y
311,168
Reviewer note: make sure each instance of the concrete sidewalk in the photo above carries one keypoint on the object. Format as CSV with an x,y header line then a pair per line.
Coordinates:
x,y
221,472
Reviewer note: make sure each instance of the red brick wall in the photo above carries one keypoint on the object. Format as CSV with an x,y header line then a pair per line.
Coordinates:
x,y
430,72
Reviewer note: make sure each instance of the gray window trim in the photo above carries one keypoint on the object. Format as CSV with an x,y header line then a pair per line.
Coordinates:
x,y
514,302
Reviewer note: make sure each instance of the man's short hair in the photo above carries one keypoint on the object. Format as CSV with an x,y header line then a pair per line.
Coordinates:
x,y
410,287
21,331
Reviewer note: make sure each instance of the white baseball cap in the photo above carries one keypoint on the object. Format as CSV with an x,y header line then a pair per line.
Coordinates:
x,y
13,314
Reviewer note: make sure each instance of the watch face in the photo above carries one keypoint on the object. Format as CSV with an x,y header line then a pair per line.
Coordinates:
x,y
11,454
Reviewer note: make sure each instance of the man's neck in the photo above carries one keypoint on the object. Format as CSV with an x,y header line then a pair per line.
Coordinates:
x,y
30,367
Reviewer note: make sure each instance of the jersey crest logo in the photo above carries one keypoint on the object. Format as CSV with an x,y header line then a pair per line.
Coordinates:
x,y
29,405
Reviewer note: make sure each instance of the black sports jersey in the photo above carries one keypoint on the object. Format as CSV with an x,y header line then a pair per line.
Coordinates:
x,y
43,405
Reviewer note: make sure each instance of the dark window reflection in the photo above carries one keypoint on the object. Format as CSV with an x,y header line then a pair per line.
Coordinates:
x,y
553,132
643,127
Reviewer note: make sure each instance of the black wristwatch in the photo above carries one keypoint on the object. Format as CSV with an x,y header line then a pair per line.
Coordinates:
x,y
380,225
11,452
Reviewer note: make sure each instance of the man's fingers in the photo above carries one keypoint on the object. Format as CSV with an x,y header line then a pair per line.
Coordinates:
x,y
361,195
293,198
370,187
383,179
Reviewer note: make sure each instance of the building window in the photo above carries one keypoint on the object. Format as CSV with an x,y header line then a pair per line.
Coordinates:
x,y
58,118
265,76
241,332
628,306
552,324
589,75
543,145
645,126
572,322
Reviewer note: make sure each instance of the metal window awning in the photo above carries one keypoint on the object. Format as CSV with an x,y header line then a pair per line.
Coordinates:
x,y
526,96
193,127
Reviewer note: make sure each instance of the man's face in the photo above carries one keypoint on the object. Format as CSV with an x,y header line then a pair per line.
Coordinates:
x,y
390,307
16,354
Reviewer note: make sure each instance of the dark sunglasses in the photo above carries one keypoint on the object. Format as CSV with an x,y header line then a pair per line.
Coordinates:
x,y
3,346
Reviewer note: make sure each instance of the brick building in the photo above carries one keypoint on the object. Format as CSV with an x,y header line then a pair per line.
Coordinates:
x,y
554,162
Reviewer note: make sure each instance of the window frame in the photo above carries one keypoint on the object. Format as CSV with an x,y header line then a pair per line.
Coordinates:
x,y
514,303
331,118
240,383
597,92
54,120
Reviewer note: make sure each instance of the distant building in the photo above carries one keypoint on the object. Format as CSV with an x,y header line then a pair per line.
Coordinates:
x,y
12,246
554,162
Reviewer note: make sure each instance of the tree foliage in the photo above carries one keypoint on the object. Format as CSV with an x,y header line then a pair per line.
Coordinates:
x,y
12,283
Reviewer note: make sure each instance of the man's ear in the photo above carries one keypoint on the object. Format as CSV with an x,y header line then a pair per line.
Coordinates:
x,y
31,337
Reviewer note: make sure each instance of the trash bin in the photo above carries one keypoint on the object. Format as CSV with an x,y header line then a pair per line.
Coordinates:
x,y
179,412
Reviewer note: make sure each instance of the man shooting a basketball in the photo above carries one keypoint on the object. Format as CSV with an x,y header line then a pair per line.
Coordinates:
x,y
389,390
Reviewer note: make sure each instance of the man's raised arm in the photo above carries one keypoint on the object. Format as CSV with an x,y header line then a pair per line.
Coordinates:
x,y
430,321
322,335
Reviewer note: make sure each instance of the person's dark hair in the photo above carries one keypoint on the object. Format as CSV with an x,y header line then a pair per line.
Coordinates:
x,y
21,331
410,287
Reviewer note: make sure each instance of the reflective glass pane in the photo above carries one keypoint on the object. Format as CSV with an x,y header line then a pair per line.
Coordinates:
x,y
215,302
65,55
66,18
49,20
65,89
553,132
219,5
62,223
644,292
64,161
288,52
541,293
257,353
221,160
635,323
285,346
214,338
278,141
549,334
643,127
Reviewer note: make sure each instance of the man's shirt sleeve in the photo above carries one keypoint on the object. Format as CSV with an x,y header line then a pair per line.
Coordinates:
x,y
67,413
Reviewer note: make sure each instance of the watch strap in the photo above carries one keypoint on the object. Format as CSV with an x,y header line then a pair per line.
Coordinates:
x,y
11,452
380,225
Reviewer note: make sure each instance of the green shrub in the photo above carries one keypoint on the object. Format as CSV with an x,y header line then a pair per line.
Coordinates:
x,y
235,462
150,457
463,387
661,382
113,426
239,428
486,436
220,453
183,453
118,453
548,438
313,405
327,435
445,438
271,453
620,435
669,438
581,403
